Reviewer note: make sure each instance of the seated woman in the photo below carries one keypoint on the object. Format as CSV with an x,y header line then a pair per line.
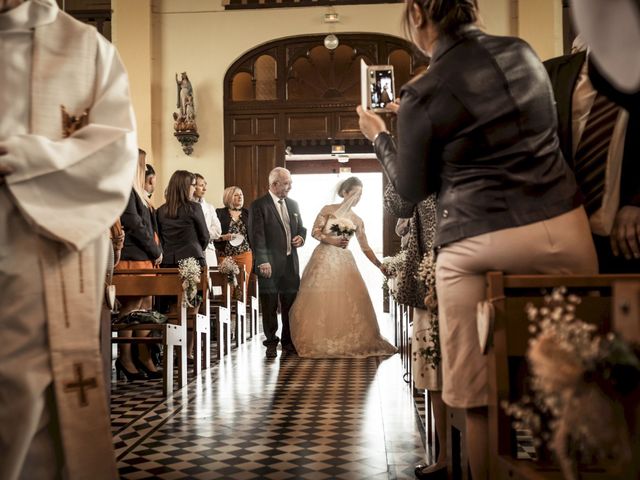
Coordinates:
x,y
182,226
140,250
234,219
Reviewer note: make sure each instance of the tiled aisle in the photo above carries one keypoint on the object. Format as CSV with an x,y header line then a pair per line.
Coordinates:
x,y
290,418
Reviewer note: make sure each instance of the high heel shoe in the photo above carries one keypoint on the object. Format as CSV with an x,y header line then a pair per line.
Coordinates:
x,y
439,474
151,374
130,376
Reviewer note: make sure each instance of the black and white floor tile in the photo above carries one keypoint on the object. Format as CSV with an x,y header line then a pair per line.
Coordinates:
x,y
290,418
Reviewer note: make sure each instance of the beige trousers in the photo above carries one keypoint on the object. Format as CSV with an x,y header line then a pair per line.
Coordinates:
x,y
560,245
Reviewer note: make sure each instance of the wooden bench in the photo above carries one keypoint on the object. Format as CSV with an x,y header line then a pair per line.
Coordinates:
x,y
253,304
150,282
220,308
507,368
202,328
239,308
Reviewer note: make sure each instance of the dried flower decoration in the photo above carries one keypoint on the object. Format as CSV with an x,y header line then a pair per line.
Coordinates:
x,y
190,271
230,268
580,381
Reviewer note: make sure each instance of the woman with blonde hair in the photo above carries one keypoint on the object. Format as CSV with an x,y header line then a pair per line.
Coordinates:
x,y
234,219
141,250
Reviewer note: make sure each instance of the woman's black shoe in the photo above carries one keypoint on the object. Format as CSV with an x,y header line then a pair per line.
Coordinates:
x,y
130,376
439,474
151,374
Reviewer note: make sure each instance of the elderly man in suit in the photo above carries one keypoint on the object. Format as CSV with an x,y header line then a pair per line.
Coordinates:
x,y
598,139
277,232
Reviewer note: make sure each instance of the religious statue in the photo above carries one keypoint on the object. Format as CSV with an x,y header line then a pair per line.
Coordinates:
x,y
186,130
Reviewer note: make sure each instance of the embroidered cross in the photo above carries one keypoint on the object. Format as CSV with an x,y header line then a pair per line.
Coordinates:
x,y
80,385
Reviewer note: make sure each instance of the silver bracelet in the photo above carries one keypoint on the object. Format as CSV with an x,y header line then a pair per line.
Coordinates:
x,y
373,142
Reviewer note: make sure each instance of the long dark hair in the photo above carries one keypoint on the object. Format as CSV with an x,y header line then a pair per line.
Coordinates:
x,y
177,193
446,15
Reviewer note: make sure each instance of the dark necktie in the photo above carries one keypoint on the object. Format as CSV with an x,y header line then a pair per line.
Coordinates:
x,y
591,155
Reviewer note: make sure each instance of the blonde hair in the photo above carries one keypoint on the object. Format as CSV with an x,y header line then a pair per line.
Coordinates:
x,y
227,195
139,179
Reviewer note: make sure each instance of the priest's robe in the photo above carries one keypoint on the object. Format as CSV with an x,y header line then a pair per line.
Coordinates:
x,y
66,189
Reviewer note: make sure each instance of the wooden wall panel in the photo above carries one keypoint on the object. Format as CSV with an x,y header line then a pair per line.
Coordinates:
x,y
267,127
268,157
347,125
308,126
242,127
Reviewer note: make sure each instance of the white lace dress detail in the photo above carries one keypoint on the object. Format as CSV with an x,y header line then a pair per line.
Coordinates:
x,y
333,316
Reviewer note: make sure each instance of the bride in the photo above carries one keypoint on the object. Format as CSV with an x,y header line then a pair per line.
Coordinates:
x,y
333,315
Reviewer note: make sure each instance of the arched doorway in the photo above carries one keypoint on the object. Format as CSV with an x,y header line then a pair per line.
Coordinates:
x,y
295,96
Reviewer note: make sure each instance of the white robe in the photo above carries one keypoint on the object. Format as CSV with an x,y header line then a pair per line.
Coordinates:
x,y
215,230
55,210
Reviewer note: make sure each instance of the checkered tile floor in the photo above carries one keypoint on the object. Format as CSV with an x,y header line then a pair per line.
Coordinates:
x,y
290,418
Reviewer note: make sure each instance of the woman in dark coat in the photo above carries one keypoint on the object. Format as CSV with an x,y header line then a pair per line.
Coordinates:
x,y
181,224
479,129
182,227
140,250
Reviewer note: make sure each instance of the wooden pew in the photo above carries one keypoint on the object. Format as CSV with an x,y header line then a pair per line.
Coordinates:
x,y
160,281
507,368
239,308
253,304
220,307
202,328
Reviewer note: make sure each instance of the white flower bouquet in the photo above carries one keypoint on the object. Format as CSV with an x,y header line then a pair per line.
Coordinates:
x,y
343,227
190,271
230,268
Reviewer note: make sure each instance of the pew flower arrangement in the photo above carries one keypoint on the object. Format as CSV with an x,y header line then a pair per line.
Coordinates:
x,y
580,382
431,349
230,268
391,266
343,227
190,271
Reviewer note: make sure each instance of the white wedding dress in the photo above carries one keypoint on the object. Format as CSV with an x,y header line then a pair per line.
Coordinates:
x,y
333,316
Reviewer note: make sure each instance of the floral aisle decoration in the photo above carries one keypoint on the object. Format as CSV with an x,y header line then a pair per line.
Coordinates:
x,y
581,382
230,268
190,272
391,266
343,227
427,274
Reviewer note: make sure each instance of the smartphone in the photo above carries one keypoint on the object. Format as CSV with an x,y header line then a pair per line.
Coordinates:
x,y
377,86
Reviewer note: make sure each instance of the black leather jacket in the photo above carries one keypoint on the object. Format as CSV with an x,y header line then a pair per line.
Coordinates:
x,y
479,128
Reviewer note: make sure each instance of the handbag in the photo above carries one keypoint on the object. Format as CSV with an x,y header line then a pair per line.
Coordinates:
x,y
143,316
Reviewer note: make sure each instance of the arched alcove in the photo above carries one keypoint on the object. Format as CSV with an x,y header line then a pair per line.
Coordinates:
x,y
296,93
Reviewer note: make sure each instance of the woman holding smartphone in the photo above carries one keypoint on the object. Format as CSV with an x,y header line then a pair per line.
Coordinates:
x,y
479,129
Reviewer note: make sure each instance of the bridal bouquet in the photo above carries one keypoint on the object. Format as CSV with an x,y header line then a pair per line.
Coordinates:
x,y
343,227
190,271
581,381
230,268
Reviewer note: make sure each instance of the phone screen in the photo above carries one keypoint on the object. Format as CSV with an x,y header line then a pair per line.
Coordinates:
x,y
381,88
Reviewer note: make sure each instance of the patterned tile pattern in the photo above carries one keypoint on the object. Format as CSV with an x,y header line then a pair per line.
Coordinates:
x,y
291,418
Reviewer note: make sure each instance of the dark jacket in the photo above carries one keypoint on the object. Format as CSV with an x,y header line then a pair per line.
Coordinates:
x,y
225,220
564,72
139,224
185,236
267,235
479,128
